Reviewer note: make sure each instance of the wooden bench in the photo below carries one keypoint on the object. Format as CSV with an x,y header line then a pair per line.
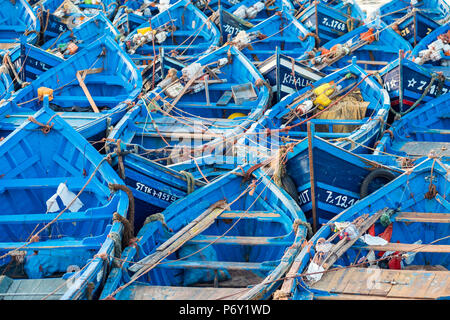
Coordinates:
x,y
372,283
140,292
423,217
409,247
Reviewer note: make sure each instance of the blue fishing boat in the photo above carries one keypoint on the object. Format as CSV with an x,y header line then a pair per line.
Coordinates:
x,y
280,31
354,124
329,179
71,41
237,231
17,20
92,89
433,51
25,62
287,75
182,30
328,21
437,10
394,244
56,240
203,109
373,44
410,85
420,132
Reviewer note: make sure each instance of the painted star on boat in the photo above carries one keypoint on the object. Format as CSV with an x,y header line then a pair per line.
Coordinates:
x,y
411,83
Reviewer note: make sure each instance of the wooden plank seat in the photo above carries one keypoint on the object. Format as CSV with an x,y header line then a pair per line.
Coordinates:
x,y
385,283
229,265
48,217
249,214
49,245
141,292
423,217
25,289
431,131
423,148
203,105
408,247
75,100
238,240
37,183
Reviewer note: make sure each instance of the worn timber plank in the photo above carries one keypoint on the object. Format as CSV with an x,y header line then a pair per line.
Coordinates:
x,y
184,293
381,283
423,217
410,247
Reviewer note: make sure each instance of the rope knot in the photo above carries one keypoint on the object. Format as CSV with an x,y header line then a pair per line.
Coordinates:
x,y
45,128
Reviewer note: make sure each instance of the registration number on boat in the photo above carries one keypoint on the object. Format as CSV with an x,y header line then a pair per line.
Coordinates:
x,y
155,193
231,30
332,23
327,196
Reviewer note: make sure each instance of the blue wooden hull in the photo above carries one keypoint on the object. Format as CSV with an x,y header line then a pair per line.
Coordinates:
x,y
193,126
330,22
193,34
37,160
419,132
271,130
257,245
336,179
113,86
15,19
372,56
84,34
419,223
407,82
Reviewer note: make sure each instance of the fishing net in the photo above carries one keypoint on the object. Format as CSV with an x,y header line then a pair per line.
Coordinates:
x,y
351,107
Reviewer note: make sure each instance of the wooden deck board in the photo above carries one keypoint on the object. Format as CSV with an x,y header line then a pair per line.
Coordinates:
x,y
423,217
354,283
183,293
423,148
410,247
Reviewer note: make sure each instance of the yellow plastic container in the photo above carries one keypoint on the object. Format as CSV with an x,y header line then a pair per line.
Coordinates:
x,y
42,91
144,30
